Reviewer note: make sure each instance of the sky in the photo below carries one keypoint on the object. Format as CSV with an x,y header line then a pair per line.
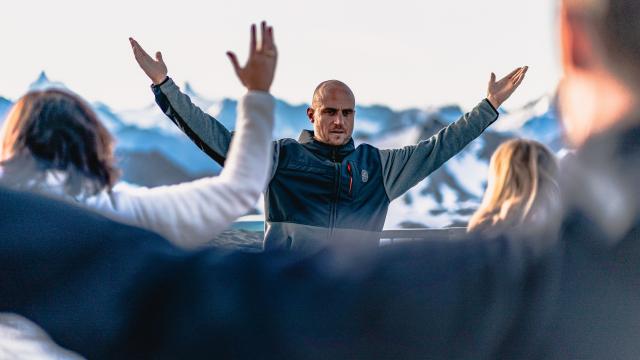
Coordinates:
x,y
401,53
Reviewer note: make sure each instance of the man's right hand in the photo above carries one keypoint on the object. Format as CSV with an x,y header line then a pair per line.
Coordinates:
x,y
499,91
156,70
260,69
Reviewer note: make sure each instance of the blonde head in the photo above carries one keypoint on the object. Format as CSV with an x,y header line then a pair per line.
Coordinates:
x,y
522,186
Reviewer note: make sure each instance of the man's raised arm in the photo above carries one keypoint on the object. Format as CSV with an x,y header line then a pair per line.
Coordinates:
x,y
191,214
203,129
404,168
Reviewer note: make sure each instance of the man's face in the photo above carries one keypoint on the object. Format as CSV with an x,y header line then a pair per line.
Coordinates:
x,y
332,115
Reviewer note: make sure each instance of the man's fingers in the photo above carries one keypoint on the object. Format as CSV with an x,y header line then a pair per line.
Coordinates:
x,y
492,79
234,62
512,79
520,76
135,48
159,57
138,55
516,81
253,42
138,47
138,51
134,43
519,79
513,73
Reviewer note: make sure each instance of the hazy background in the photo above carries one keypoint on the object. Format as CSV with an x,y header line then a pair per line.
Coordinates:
x,y
421,63
401,53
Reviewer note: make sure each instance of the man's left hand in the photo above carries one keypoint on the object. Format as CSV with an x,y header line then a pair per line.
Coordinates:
x,y
499,91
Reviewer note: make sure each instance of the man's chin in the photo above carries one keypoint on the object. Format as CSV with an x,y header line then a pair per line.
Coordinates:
x,y
338,140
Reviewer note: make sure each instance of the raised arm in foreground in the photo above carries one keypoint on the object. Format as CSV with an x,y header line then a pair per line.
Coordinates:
x,y
191,214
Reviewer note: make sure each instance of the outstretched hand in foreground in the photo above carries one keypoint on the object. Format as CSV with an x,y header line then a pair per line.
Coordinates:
x,y
499,91
258,72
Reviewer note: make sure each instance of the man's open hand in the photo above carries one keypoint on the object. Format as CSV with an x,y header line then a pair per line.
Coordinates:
x,y
258,73
156,69
498,92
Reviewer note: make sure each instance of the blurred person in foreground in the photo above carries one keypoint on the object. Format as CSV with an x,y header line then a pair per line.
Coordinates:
x,y
54,143
523,195
323,191
492,299
598,308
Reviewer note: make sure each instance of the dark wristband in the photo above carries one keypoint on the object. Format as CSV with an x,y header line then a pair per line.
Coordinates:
x,y
490,104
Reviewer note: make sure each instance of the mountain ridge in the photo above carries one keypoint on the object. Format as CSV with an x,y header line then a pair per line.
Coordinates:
x,y
147,139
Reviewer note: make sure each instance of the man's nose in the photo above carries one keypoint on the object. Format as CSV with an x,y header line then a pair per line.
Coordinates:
x,y
338,119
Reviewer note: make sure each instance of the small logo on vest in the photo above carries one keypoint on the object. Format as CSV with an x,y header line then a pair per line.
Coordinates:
x,y
365,176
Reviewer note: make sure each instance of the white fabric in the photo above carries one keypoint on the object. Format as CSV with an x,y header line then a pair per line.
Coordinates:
x,y
22,339
193,213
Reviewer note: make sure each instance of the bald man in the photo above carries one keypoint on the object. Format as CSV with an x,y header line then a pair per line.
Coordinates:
x,y
323,190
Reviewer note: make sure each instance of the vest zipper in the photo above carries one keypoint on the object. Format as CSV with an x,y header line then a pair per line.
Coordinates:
x,y
334,205
349,171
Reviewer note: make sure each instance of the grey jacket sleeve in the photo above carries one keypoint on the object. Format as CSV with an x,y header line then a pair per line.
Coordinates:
x,y
203,129
404,168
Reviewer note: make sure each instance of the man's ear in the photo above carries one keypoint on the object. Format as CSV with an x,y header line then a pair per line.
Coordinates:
x,y
577,48
310,113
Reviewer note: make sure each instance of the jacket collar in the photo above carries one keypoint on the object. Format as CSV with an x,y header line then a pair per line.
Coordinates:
x,y
619,142
330,152
599,181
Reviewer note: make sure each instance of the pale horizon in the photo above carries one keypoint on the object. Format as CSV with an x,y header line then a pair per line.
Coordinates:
x,y
412,55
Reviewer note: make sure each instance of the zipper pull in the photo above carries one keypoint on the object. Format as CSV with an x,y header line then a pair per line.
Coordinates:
x,y
350,177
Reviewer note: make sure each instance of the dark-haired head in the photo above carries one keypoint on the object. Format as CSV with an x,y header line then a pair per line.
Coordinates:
x,y
57,130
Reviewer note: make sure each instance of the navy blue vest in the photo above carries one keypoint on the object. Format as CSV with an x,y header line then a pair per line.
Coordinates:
x,y
320,185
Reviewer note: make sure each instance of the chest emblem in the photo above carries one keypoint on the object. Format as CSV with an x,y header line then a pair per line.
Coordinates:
x,y
365,176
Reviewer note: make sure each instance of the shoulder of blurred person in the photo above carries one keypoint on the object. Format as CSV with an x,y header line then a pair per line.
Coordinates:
x,y
598,308
103,289
69,270
600,182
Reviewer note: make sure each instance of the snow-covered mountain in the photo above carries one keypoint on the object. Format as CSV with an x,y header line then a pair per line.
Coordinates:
x,y
152,151
536,120
5,105
43,82
451,194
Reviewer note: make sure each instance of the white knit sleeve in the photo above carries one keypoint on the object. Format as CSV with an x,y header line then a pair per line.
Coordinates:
x,y
193,213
